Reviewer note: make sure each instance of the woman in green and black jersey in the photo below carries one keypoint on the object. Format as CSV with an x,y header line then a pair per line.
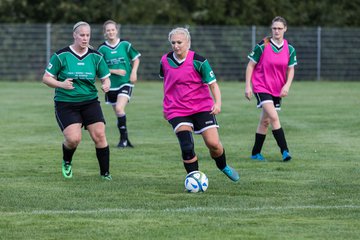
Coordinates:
x,y
123,61
72,71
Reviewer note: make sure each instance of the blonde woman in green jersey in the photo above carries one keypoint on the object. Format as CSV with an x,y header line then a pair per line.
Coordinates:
x,y
123,61
72,71
192,99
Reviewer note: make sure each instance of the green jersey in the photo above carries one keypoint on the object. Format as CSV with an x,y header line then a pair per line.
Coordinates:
x,y
119,56
259,49
84,69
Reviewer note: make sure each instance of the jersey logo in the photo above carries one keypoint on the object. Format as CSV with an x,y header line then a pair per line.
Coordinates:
x,y
211,74
81,63
252,54
49,66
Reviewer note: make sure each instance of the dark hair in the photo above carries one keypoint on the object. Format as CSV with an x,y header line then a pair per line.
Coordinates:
x,y
279,19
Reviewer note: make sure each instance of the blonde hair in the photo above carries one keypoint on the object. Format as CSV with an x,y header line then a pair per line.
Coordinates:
x,y
78,24
180,30
117,26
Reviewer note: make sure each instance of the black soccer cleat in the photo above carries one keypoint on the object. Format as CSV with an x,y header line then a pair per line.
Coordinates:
x,y
125,144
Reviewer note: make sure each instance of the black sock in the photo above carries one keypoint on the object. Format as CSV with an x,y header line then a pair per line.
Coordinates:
x,y
190,167
259,141
121,124
103,156
221,161
67,154
279,136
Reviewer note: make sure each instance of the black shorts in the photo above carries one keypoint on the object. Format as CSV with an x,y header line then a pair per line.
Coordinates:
x,y
86,113
265,97
124,90
199,122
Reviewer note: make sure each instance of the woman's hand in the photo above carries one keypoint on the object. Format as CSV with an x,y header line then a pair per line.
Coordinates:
x,y
67,84
284,91
105,85
133,77
248,92
216,109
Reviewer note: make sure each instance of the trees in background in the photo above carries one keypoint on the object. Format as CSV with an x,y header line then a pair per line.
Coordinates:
x,y
328,13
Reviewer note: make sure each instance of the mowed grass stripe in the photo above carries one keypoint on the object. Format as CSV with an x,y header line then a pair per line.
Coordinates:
x,y
174,210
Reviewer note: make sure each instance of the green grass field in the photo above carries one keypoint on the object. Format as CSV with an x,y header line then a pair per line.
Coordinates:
x,y
315,196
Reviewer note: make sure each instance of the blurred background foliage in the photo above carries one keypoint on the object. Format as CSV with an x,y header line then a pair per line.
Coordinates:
x,y
326,13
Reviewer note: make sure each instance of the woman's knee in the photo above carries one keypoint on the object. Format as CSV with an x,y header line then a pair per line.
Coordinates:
x,y
212,140
120,112
97,133
72,136
99,136
214,146
72,141
265,122
274,121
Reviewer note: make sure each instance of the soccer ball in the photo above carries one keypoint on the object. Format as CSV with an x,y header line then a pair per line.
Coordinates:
x,y
196,181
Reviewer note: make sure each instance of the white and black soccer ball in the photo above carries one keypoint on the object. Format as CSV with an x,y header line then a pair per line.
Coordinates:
x,y
196,181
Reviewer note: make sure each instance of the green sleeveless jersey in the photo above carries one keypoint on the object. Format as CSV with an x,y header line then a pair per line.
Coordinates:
x,y
119,56
84,69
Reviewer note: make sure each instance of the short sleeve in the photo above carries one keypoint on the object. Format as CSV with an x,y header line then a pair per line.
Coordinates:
x,y
54,65
133,53
292,60
256,53
103,70
205,70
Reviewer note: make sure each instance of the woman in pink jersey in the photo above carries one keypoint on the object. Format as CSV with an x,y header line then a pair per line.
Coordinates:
x,y
188,105
269,75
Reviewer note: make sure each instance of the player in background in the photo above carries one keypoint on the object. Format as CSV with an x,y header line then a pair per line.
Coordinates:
x,y
123,61
269,75
188,105
72,71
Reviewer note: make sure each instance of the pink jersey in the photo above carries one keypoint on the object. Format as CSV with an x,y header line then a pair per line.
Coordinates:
x,y
184,92
269,75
